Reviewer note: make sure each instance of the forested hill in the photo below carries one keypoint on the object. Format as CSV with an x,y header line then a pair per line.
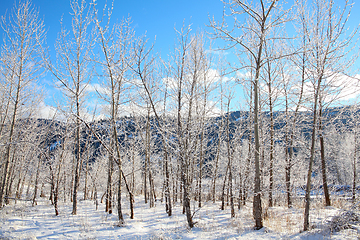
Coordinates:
x,y
131,130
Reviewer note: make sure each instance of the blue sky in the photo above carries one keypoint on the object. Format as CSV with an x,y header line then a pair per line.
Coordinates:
x,y
153,17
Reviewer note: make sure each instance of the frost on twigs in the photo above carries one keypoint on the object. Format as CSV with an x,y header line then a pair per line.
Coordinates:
x,y
346,220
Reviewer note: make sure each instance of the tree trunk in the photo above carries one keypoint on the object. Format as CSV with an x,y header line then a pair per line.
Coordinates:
x,y
323,163
36,183
223,189
354,164
119,162
108,196
186,199
201,165
120,215
271,160
249,155
257,208
231,194
77,157
86,179
312,156
5,183
167,186
145,179
215,171
288,181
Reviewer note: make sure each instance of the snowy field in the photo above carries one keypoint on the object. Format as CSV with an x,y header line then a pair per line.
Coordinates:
x,y
22,221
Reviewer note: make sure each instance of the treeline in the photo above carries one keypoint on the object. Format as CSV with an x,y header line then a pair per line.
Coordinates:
x,y
167,131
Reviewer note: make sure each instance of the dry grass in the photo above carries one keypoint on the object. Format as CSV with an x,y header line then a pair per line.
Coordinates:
x,y
340,203
298,203
282,220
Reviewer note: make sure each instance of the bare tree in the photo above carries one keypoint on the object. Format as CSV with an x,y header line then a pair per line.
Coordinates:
x,y
20,68
271,77
73,71
296,89
262,19
230,154
188,68
57,170
144,69
328,57
219,131
115,43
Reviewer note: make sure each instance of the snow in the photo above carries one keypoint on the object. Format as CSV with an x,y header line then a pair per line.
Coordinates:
x,y
22,221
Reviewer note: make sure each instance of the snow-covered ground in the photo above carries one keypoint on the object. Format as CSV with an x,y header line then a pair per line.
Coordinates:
x,y
22,221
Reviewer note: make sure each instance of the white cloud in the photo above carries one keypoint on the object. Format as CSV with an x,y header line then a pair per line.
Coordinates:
x,y
220,52
342,87
336,87
96,88
209,77
45,111
212,75
247,76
